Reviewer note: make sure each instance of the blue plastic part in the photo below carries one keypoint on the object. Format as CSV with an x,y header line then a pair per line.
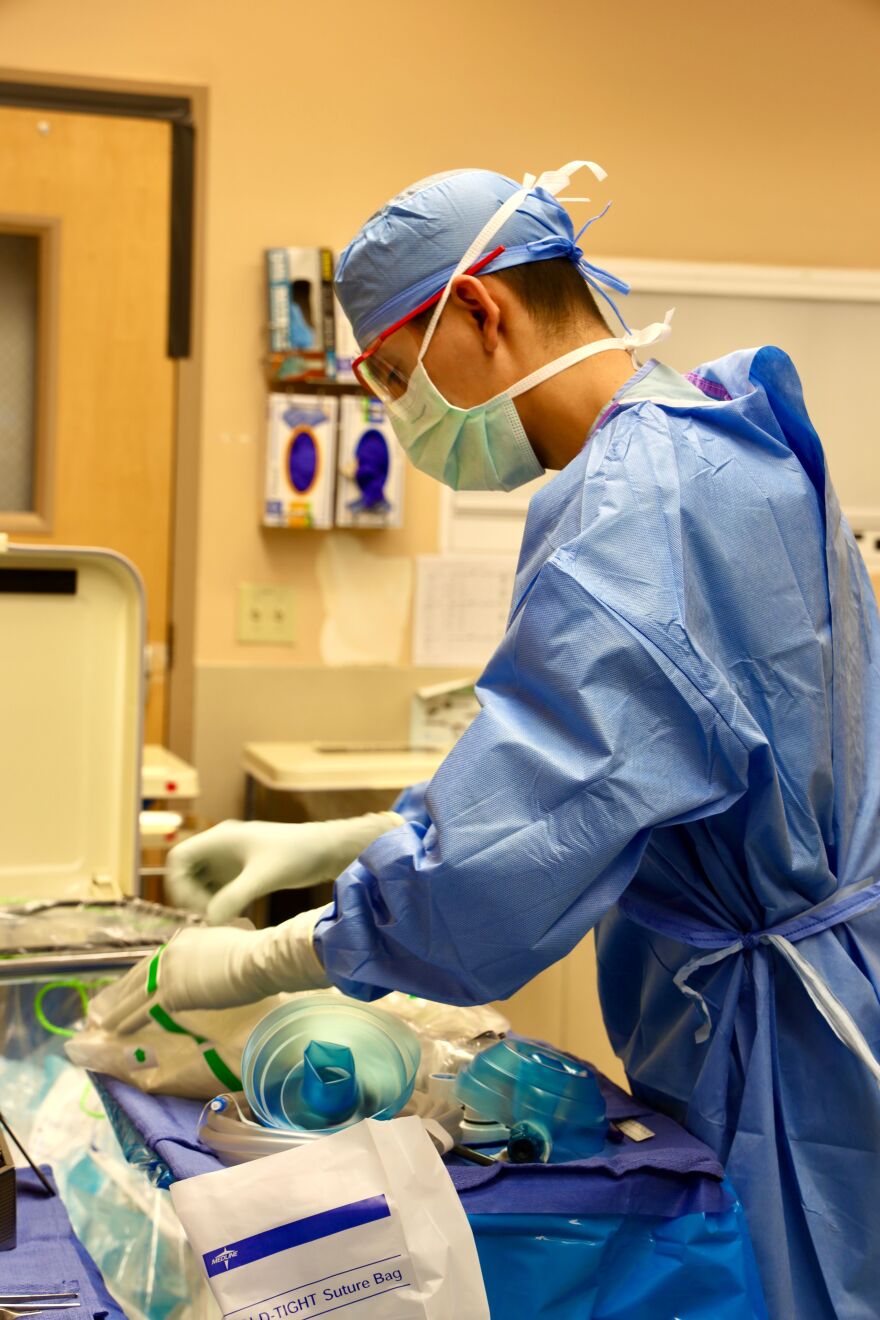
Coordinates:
x,y
528,1143
619,1267
329,1081
552,1099
323,1062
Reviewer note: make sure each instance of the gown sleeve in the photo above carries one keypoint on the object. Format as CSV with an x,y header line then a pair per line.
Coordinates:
x,y
589,737
411,804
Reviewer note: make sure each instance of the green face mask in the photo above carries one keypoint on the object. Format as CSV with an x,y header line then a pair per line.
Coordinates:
x,y
482,448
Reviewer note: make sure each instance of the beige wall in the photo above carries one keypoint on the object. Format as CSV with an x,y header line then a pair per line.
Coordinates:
x,y
748,135
747,139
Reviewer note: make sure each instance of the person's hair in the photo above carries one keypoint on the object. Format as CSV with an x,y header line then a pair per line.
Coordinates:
x,y
554,293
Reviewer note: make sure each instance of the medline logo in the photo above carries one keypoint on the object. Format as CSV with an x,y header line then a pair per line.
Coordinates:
x,y
224,1257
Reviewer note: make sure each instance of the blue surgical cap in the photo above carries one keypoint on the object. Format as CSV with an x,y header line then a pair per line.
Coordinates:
x,y
408,250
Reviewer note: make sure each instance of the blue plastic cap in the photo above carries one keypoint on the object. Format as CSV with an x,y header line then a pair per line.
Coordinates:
x,y
407,251
329,1082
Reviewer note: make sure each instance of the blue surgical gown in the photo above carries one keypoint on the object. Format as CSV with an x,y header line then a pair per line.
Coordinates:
x,y
679,734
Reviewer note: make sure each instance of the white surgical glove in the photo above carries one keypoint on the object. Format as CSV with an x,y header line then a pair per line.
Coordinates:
x,y
222,871
220,968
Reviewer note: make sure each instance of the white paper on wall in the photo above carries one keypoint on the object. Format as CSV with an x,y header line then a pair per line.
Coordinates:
x,y
461,608
366,600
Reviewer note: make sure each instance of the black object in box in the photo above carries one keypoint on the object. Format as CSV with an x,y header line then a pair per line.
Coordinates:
x,y
7,1198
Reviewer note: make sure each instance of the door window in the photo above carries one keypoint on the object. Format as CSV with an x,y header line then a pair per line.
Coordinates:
x,y
19,355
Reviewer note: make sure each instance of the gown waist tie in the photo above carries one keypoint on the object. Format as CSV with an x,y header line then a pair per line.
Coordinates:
x,y
720,944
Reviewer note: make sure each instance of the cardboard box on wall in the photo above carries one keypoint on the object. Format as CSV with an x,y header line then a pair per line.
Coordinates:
x,y
300,461
302,313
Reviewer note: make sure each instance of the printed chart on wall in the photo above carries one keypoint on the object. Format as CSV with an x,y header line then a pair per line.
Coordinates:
x,y
461,608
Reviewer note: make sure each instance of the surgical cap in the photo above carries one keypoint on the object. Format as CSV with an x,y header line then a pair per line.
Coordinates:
x,y
408,250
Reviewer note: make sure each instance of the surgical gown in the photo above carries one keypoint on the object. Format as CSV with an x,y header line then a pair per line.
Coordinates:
x,y
679,744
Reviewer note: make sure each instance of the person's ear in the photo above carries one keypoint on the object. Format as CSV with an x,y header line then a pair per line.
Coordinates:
x,y
475,299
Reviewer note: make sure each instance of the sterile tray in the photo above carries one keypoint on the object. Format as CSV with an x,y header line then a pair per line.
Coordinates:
x,y
41,941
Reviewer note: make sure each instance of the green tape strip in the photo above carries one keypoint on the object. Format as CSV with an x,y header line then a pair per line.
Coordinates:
x,y
221,1071
167,1023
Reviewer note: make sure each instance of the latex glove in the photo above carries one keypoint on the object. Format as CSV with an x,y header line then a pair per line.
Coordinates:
x,y
222,871
221,968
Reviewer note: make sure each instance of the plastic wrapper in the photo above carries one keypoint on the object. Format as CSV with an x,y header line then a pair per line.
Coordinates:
x,y
127,1225
197,1062
35,928
208,1060
228,1127
450,1036
134,1149
32,1015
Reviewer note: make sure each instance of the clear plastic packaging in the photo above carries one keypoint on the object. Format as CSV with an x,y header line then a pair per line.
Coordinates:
x,y
31,1015
450,1036
127,1225
35,928
228,1127
195,1063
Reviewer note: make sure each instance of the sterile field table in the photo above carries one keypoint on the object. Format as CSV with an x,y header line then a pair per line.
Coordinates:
x,y
646,1229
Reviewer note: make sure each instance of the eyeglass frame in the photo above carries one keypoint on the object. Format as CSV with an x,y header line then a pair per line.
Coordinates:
x,y
410,316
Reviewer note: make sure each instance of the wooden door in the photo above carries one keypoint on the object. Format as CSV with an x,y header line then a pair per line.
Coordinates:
x,y
93,193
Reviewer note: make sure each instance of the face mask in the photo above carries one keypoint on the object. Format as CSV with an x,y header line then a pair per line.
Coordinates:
x,y
485,447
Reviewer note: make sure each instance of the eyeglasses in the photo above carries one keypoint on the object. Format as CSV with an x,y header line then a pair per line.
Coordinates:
x,y
382,379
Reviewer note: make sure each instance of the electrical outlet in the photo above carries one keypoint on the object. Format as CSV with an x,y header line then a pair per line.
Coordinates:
x,y
265,614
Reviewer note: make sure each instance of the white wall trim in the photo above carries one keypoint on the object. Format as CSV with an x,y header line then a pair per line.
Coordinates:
x,y
488,523
812,283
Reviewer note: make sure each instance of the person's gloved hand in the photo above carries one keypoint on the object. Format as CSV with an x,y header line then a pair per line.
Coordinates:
x,y
220,968
222,871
